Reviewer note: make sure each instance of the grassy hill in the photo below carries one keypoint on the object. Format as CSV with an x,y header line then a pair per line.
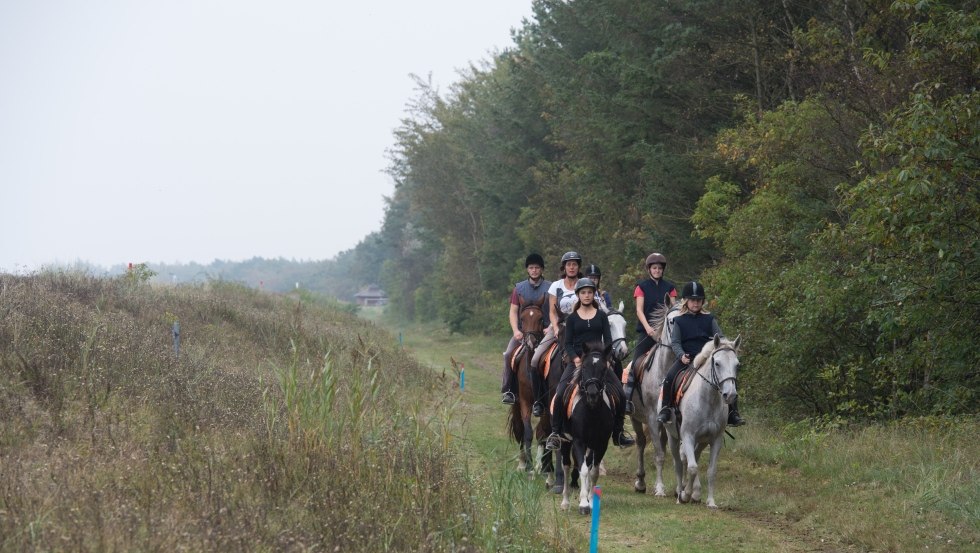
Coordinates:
x,y
283,424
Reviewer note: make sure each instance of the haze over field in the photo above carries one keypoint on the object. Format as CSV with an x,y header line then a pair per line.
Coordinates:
x,y
188,131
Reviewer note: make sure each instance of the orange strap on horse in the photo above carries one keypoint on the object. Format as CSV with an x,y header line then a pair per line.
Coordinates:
x,y
547,359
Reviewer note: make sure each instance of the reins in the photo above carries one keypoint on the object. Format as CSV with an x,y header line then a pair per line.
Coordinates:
x,y
714,382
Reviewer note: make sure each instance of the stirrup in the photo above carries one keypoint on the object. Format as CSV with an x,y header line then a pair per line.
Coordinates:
x,y
508,398
734,419
554,442
623,439
537,409
629,407
665,415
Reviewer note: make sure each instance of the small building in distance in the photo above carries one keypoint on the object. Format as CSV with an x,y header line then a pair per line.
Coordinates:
x,y
372,295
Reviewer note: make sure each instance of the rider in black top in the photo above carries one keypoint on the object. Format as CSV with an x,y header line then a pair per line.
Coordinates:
x,y
693,328
586,323
650,295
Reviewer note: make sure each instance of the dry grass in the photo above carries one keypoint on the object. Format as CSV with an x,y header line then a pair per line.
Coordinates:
x,y
283,425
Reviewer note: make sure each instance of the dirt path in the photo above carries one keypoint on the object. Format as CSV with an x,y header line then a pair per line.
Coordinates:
x,y
630,521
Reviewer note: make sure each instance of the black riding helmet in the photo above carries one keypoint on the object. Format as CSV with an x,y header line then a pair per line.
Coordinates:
x,y
584,283
693,290
593,270
534,259
571,256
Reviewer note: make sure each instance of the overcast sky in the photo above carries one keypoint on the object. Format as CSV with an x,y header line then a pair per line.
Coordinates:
x,y
194,130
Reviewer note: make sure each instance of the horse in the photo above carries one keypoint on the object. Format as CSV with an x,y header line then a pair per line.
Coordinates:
x,y
654,366
589,424
531,316
703,416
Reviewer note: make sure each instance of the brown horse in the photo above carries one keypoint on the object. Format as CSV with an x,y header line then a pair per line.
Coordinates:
x,y
531,319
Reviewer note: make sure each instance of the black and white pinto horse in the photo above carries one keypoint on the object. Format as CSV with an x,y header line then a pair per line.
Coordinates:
x,y
703,417
589,424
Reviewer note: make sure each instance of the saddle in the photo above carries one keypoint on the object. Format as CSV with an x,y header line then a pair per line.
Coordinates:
x,y
644,363
570,393
681,383
518,352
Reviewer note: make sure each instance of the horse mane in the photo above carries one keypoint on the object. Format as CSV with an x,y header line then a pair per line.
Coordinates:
x,y
659,315
710,348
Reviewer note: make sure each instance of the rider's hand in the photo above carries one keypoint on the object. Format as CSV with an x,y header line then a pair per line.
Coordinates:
x,y
651,333
577,361
686,359
518,335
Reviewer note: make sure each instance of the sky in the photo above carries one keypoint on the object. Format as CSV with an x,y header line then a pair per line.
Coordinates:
x,y
193,130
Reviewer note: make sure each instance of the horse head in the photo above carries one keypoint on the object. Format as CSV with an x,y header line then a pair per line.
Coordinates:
x,y
531,317
592,373
720,357
617,329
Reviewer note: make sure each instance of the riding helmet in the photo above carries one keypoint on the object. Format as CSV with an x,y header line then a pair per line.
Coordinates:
x,y
584,283
656,258
693,290
571,256
593,270
534,259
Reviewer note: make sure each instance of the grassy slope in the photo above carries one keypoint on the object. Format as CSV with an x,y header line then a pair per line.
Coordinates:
x,y
903,487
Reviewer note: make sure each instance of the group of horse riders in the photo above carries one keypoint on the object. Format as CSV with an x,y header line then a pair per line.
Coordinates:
x,y
577,301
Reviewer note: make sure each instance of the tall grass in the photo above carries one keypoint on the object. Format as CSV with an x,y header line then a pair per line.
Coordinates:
x,y
283,425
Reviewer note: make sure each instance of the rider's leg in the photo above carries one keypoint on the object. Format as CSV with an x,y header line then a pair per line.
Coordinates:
x,y
734,419
558,411
643,345
668,403
507,388
537,376
620,437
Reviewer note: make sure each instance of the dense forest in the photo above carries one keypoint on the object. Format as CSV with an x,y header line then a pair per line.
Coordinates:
x,y
813,162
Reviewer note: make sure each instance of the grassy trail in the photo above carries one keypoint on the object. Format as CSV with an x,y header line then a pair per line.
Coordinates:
x,y
812,494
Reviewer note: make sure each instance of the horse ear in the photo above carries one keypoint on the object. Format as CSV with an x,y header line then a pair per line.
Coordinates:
x,y
717,340
738,341
621,305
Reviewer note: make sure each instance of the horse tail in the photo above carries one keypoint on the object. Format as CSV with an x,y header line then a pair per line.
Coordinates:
x,y
516,423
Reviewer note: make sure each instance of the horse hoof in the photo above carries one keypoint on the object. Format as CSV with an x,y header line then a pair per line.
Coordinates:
x,y
712,506
639,489
557,490
585,510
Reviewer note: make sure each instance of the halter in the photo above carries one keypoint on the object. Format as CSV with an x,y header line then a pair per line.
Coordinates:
x,y
714,382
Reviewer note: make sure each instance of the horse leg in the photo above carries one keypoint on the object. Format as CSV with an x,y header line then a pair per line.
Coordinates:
x,y
585,479
640,486
566,489
527,461
696,494
690,460
561,457
716,446
659,448
675,452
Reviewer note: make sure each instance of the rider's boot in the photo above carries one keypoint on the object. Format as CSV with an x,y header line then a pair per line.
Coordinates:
x,y
667,411
734,419
557,422
537,385
509,397
620,437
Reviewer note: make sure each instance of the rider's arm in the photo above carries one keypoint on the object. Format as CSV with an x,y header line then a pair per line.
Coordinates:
x,y
638,294
606,330
513,321
575,352
715,329
675,340
553,311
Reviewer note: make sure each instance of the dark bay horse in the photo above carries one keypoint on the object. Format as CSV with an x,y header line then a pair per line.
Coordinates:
x,y
589,423
531,319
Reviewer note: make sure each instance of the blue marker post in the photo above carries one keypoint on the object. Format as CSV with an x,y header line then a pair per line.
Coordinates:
x,y
462,377
596,505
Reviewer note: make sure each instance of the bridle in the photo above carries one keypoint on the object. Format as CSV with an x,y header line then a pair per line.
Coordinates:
x,y
714,382
623,338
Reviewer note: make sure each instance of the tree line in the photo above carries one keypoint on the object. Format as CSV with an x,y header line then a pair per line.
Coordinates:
x,y
813,162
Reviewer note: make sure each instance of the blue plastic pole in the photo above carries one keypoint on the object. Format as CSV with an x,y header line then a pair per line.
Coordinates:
x,y
462,377
596,505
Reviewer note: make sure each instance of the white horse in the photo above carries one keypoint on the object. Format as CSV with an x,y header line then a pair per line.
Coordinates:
x,y
647,394
617,329
704,415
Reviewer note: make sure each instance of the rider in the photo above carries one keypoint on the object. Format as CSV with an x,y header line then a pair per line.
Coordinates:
x,y
649,295
693,328
561,300
586,323
525,292
602,297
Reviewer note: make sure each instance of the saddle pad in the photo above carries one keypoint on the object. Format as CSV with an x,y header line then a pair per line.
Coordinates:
x,y
681,383
547,359
518,351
